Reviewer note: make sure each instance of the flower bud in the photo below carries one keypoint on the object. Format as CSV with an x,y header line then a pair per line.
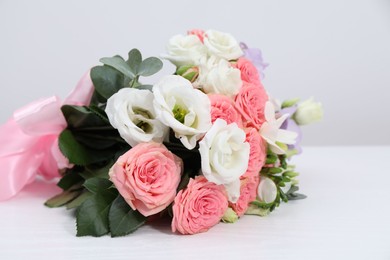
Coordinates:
x,y
254,210
308,112
267,190
189,72
230,216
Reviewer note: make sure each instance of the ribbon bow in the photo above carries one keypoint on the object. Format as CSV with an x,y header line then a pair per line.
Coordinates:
x,y
29,140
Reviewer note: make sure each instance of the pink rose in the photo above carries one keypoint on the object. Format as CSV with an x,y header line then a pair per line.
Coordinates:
x,y
249,72
250,102
147,177
257,152
198,207
197,32
223,107
248,193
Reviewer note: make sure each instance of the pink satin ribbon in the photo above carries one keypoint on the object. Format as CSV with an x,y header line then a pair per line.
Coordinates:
x,y
29,140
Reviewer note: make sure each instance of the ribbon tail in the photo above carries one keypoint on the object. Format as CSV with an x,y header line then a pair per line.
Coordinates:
x,y
16,172
82,93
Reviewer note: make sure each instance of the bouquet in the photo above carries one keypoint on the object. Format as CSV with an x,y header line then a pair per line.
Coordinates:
x,y
204,145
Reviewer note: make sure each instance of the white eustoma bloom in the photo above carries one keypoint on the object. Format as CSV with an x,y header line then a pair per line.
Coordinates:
x,y
271,132
224,156
184,109
308,112
222,45
218,76
131,111
267,190
185,50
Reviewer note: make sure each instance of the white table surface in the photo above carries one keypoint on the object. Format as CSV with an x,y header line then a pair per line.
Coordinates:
x,y
346,216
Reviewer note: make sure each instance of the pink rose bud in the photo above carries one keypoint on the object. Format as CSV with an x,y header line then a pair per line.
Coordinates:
x,y
198,207
147,177
189,72
197,32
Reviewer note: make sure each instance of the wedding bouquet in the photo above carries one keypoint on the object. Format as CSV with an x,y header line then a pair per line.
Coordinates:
x,y
204,145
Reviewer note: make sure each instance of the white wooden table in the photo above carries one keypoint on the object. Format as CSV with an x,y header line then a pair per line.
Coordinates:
x,y
346,216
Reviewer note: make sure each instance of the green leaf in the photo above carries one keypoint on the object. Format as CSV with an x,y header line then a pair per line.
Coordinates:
x,y
123,219
82,117
96,185
107,81
150,66
92,215
134,60
79,154
296,196
292,190
99,112
92,172
119,64
69,180
79,200
62,198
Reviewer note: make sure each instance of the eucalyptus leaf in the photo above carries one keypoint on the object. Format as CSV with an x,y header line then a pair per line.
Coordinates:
x,y
107,81
123,220
150,66
134,60
119,64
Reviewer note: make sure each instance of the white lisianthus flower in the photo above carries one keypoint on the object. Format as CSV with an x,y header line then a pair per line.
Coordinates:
x,y
131,111
271,132
218,76
185,109
225,156
267,190
185,50
222,45
308,112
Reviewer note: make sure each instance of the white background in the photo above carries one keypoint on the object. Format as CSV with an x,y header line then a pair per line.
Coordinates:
x,y
337,51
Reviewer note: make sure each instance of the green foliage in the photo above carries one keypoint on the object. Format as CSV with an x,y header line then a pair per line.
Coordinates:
x,y
117,73
92,214
123,220
64,197
97,184
281,174
107,80
120,65
149,66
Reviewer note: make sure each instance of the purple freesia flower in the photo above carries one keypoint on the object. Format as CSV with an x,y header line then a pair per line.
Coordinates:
x,y
290,125
255,56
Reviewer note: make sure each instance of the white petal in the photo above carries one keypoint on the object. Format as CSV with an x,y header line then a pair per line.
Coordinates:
x,y
286,137
269,112
233,191
267,190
